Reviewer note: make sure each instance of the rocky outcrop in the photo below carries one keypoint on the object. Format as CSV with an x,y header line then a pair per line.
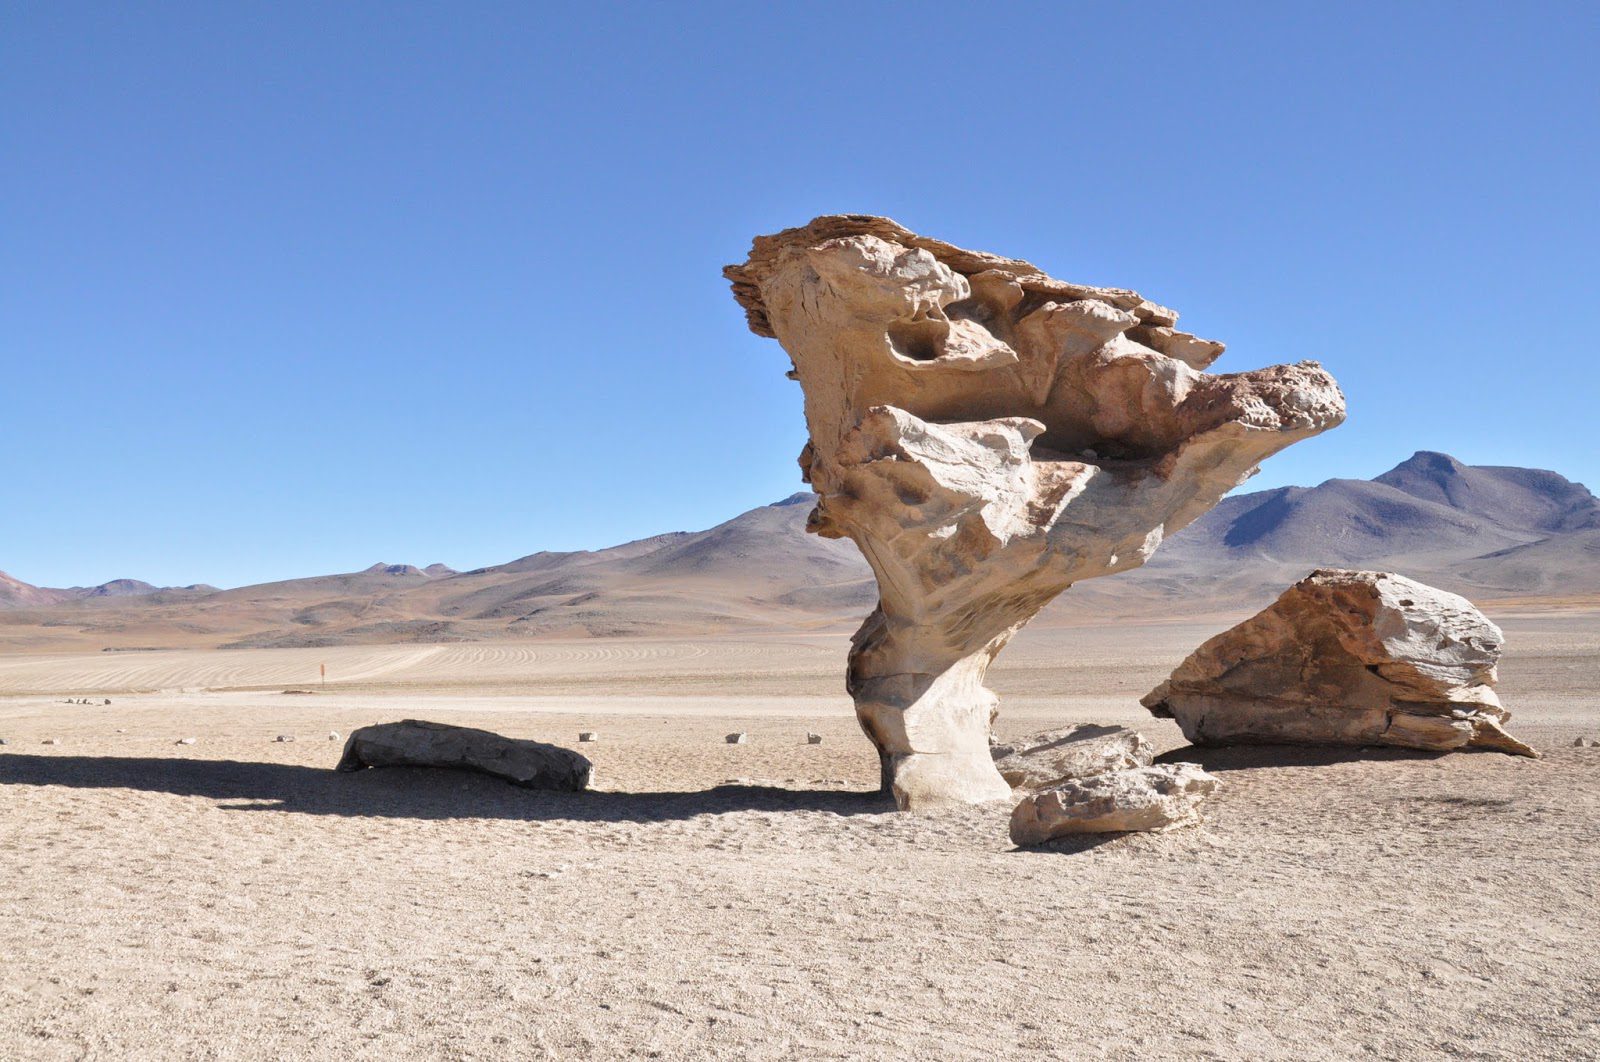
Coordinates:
x,y
416,743
1347,658
989,435
1073,752
1160,797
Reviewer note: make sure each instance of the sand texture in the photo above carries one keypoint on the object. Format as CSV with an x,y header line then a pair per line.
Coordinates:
x,y
238,899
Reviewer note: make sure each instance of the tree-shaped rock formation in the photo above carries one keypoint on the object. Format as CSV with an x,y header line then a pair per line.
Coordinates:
x,y
989,436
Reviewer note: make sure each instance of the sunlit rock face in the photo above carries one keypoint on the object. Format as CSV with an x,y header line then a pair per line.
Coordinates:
x,y
1347,658
989,435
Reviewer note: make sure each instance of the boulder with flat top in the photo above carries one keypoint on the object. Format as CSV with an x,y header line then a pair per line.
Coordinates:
x,y
1079,751
417,743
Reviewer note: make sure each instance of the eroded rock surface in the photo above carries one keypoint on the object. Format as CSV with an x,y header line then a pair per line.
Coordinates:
x,y
417,743
1347,658
1159,797
1077,751
989,435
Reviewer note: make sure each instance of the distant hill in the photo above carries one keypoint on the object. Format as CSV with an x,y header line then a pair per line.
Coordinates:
x,y
15,593
1487,532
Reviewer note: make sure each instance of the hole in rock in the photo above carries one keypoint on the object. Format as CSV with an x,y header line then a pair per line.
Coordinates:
x,y
918,340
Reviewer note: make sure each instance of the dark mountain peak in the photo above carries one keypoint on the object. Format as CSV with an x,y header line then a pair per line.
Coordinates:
x,y
392,569
1425,464
1523,499
120,588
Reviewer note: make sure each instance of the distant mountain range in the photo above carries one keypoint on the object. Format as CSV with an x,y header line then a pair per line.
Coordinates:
x,y
1487,532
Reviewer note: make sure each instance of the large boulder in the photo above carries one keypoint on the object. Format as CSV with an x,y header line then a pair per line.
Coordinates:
x,y
990,435
417,743
1347,658
1077,751
1160,797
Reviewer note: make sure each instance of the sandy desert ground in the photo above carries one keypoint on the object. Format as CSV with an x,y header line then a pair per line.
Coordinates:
x,y
236,898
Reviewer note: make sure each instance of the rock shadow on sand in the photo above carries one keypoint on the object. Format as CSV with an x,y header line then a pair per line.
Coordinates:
x,y
1255,757
413,793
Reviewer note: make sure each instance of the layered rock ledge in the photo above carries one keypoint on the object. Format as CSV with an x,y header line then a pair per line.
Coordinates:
x,y
1347,658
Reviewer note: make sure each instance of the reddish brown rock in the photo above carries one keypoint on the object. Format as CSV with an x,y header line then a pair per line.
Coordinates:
x,y
1347,658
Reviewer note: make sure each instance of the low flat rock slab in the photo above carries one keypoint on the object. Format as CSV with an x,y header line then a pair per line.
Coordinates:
x,y
1160,797
1056,756
417,743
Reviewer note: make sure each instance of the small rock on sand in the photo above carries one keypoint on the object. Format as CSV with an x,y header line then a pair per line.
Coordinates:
x,y
1159,797
737,739
813,739
284,737
333,735
587,736
48,741
186,741
1585,743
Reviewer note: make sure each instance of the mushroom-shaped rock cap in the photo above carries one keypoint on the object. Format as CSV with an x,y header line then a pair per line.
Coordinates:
x,y
989,435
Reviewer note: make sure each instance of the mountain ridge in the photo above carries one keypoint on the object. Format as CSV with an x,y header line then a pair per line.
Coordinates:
x,y
1486,531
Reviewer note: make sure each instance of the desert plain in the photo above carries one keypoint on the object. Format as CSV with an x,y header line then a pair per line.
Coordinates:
x,y
236,897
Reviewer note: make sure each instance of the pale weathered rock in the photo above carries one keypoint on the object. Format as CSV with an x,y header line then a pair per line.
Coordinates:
x,y
737,739
587,736
333,735
181,741
281,738
988,436
417,743
1158,797
1347,658
1073,752
813,739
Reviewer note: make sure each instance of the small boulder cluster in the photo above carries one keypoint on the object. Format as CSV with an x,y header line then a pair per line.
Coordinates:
x,y
1341,658
1097,779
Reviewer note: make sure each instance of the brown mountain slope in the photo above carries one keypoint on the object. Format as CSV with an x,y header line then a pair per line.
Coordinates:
x,y
1482,531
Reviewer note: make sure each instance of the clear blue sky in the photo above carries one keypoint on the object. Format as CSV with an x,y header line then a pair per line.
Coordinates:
x,y
292,288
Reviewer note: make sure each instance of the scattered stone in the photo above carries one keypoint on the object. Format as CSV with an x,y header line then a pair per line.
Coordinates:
x,y
186,741
417,743
959,404
49,741
1585,743
1159,797
121,731
813,739
1072,752
737,739
284,737
3,741
587,736
108,700
1347,658
334,735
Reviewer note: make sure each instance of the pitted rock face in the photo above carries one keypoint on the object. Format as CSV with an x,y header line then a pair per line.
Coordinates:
x,y
989,435
1347,658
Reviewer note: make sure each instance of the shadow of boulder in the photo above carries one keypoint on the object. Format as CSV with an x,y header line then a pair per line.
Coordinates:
x,y
412,792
